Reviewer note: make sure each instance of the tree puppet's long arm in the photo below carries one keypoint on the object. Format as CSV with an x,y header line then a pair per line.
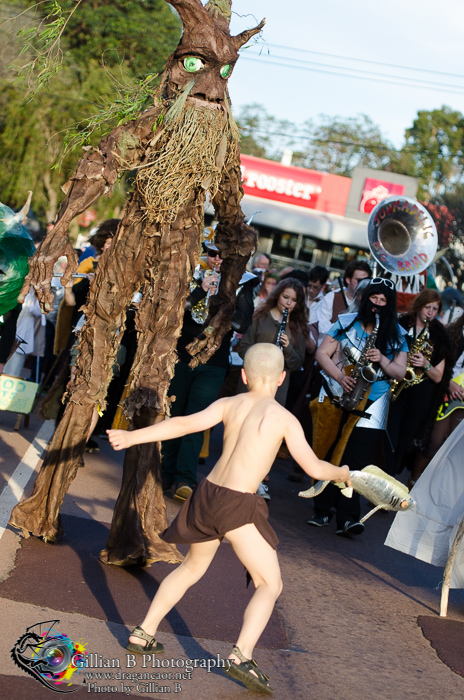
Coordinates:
x,y
95,175
236,242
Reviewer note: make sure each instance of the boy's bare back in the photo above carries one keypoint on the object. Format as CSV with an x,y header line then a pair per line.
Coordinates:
x,y
254,427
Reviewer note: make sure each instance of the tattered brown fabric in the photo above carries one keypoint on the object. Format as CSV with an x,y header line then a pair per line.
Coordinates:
x,y
154,251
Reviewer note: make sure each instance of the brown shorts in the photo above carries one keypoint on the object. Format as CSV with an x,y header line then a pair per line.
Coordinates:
x,y
212,511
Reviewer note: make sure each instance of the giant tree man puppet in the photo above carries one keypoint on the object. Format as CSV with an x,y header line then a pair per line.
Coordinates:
x,y
183,147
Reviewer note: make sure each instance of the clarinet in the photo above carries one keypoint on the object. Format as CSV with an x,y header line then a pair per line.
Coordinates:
x,y
281,330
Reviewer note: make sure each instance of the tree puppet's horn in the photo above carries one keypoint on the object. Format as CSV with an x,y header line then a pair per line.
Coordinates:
x,y
22,213
188,10
221,12
245,36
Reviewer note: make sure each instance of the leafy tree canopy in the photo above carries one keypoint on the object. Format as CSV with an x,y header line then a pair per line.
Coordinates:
x,y
81,95
333,144
436,140
262,134
139,35
447,211
338,145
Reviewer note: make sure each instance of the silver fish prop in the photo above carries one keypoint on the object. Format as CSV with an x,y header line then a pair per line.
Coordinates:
x,y
381,489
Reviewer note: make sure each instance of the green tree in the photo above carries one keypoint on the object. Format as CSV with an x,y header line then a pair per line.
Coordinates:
x,y
31,136
32,131
337,145
454,203
436,143
262,134
139,35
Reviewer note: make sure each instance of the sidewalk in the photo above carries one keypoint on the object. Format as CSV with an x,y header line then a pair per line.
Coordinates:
x,y
345,626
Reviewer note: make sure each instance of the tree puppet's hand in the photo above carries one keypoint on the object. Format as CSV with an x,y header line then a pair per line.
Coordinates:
x,y
41,270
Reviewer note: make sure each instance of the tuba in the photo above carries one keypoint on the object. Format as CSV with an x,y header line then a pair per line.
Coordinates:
x,y
363,371
414,375
402,236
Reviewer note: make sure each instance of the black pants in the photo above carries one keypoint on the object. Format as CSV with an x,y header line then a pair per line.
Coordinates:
x,y
358,454
405,416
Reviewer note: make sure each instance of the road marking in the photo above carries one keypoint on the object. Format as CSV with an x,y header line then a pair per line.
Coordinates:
x,y
13,491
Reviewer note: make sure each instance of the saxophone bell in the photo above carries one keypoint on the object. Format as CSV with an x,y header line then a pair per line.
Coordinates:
x,y
414,375
364,373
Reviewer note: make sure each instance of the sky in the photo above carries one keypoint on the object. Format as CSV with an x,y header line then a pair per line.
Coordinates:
x,y
420,40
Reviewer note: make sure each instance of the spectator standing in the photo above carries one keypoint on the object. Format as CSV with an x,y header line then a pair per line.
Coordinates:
x,y
265,288
30,333
196,388
260,265
336,302
317,284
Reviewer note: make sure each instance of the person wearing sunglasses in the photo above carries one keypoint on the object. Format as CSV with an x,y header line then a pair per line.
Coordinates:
x,y
344,436
196,388
335,303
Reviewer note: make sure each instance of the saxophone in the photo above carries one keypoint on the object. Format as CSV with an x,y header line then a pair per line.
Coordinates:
x,y
414,375
200,310
363,372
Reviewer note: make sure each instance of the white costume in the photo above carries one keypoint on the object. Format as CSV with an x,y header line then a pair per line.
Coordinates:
x,y
427,532
26,333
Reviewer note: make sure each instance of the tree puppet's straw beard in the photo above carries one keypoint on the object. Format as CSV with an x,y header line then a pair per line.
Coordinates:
x,y
192,149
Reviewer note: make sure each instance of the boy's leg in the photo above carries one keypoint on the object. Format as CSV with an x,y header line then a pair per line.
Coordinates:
x,y
260,559
174,586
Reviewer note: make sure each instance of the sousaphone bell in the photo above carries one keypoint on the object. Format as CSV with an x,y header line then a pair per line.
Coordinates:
x,y
402,236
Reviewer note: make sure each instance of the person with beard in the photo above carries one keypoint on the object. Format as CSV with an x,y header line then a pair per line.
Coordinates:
x,y
415,402
351,436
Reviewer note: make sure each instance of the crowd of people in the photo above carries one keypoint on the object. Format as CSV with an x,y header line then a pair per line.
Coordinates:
x,y
332,334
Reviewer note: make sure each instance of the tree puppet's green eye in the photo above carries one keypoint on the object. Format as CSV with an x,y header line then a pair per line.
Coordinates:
x,y
192,64
226,70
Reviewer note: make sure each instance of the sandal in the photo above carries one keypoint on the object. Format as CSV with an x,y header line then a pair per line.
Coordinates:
x,y
243,672
151,646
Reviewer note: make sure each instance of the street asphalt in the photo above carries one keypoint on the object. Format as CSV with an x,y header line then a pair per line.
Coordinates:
x,y
345,627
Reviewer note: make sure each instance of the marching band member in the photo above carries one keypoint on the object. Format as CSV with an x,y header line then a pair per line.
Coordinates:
x,y
287,295
451,412
196,388
414,401
371,338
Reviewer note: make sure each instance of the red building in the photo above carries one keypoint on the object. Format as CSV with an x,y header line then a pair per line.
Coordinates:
x,y
307,218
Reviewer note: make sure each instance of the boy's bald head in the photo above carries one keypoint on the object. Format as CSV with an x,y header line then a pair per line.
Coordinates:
x,y
263,362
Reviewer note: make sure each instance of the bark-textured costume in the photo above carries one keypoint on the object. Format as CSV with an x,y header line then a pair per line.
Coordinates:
x,y
183,147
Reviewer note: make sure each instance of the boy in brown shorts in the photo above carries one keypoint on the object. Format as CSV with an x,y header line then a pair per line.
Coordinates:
x,y
225,504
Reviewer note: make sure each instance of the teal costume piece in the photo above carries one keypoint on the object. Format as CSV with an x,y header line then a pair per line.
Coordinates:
x,y
16,247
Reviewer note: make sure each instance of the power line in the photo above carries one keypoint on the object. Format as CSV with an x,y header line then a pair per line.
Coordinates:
x,y
371,147
376,77
366,60
367,72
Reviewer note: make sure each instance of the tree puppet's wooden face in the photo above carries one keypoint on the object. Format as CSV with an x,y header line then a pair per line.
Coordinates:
x,y
206,53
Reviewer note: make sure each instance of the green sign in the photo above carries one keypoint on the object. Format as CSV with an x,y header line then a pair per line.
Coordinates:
x,y
16,395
